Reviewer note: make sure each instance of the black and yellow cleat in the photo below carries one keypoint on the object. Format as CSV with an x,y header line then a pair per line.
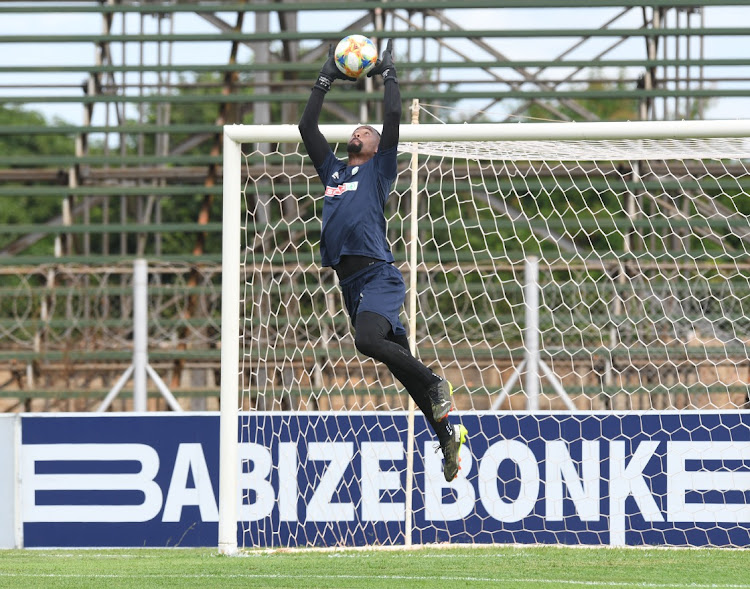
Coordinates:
x,y
451,448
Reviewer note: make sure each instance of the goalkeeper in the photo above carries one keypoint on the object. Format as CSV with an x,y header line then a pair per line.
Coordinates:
x,y
353,242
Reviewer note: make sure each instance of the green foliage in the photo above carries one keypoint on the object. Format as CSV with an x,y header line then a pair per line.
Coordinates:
x,y
607,109
189,208
29,209
29,144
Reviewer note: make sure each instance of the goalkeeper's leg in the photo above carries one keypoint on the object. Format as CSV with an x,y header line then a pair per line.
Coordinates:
x,y
375,338
451,437
374,298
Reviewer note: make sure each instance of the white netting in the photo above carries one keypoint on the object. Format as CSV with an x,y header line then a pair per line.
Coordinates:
x,y
638,251
592,150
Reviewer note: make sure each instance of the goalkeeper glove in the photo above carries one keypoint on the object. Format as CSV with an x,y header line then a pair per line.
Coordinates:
x,y
329,72
385,66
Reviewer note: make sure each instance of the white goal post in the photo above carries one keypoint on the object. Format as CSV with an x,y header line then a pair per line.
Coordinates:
x,y
593,270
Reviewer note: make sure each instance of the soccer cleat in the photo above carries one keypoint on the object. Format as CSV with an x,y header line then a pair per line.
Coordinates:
x,y
440,398
451,448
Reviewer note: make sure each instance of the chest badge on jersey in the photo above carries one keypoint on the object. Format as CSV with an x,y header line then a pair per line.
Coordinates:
x,y
341,188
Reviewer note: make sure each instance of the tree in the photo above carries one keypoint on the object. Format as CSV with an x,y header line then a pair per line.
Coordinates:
x,y
28,209
617,108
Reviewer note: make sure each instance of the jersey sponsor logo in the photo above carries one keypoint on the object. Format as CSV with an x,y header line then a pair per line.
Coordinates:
x,y
341,189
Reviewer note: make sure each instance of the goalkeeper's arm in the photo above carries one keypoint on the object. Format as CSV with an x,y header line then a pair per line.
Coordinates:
x,y
315,143
391,97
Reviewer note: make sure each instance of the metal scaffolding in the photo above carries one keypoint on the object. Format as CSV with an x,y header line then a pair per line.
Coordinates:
x,y
165,75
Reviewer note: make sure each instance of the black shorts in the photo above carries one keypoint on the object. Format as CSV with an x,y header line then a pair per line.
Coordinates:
x,y
380,289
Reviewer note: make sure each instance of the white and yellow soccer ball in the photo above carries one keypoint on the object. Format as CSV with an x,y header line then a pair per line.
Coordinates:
x,y
355,55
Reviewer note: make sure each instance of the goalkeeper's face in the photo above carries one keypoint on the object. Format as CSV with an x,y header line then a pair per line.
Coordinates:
x,y
364,142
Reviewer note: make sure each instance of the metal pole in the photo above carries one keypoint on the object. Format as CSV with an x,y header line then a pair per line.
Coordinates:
x,y
531,331
140,369
504,132
505,392
230,342
112,395
140,335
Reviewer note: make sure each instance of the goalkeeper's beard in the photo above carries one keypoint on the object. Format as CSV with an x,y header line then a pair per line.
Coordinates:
x,y
354,146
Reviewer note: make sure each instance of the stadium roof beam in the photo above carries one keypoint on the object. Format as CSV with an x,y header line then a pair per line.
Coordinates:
x,y
139,6
567,52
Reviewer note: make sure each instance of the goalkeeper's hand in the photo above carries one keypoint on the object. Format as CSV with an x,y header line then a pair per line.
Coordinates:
x,y
384,65
329,72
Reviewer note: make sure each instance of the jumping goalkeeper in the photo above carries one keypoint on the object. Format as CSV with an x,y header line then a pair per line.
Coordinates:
x,y
353,242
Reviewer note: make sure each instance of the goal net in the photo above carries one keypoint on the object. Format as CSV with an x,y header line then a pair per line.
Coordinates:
x,y
584,286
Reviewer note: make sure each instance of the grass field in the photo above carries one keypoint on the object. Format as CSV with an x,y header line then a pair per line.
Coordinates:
x,y
497,566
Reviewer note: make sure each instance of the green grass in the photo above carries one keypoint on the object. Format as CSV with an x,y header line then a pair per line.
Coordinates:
x,y
433,568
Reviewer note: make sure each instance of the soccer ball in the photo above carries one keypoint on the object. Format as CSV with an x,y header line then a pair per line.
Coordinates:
x,y
355,55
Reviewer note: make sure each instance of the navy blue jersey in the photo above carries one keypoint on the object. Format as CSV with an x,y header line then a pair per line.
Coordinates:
x,y
354,208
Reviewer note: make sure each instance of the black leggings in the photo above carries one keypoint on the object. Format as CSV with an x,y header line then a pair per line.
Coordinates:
x,y
374,337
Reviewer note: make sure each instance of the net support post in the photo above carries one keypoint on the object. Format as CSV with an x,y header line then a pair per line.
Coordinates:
x,y
505,391
230,321
140,335
531,331
140,370
532,366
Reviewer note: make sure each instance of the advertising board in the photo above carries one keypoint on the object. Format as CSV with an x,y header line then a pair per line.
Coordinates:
x,y
655,478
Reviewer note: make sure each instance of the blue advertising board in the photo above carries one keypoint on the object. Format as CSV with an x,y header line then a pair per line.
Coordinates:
x,y
641,478
118,480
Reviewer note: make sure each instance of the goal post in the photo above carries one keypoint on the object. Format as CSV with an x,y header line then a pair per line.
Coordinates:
x,y
583,285
573,131
230,346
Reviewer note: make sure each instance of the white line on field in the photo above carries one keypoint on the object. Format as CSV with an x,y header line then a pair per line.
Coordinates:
x,y
89,555
249,576
443,555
